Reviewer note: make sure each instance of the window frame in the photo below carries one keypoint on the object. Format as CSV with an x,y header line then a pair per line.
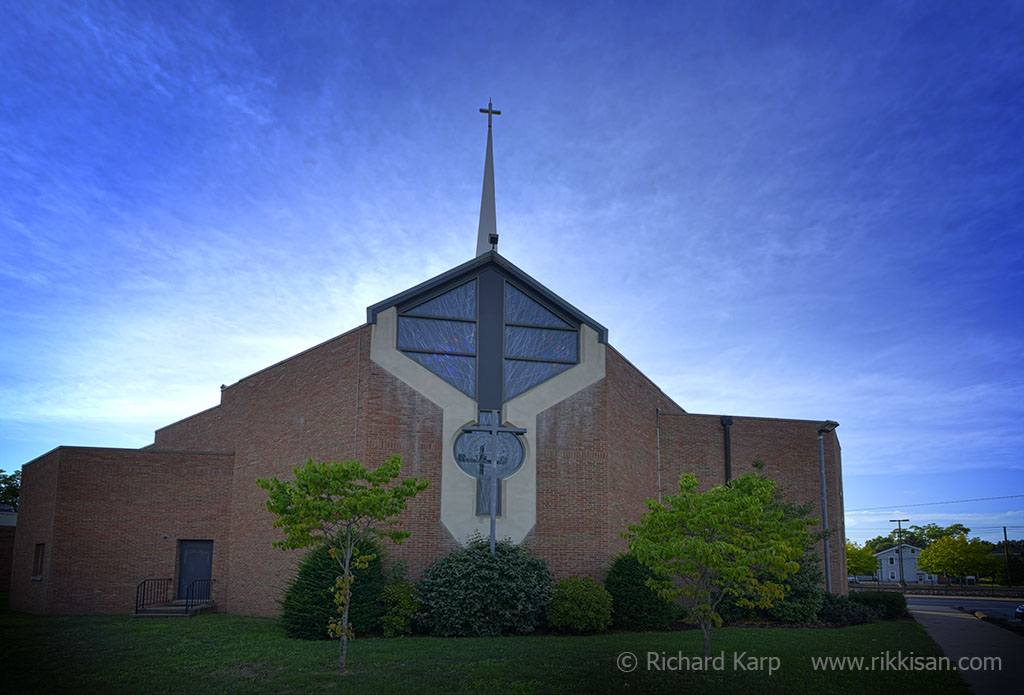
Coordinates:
x,y
39,561
409,311
572,326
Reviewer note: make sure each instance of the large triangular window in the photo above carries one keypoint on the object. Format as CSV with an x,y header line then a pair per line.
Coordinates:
x,y
538,343
440,334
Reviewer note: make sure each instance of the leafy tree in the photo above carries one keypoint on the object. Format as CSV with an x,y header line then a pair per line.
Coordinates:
x,y
918,536
860,560
880,543
955,556
729,542
10,486
340,504
929,533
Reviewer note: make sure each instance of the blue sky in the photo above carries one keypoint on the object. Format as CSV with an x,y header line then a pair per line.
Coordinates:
x,y
806,210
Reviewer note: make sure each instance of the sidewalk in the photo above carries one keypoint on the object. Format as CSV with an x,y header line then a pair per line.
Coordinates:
x,y
962,635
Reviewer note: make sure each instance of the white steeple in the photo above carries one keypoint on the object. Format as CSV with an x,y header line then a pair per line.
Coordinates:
x,y
488,216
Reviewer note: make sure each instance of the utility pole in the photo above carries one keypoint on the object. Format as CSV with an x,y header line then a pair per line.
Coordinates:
x,y
899,547
1006,557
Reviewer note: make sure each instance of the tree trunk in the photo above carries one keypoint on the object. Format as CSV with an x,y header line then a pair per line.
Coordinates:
x,y
346,568
343,649
706,629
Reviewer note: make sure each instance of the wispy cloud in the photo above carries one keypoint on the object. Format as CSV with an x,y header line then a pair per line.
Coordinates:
x,y
786,212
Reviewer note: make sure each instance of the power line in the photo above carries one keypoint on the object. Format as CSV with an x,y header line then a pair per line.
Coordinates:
x,y
930,504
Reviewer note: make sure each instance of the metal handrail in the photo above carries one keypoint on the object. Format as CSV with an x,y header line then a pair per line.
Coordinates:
x,y
198,591
152,591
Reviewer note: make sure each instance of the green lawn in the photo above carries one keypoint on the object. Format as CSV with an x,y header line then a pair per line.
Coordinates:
x,y
223,653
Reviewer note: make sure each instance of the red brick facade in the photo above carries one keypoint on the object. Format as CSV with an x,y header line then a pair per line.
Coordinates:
x,y
111,517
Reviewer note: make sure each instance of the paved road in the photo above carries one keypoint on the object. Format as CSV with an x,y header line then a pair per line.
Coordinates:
x,y
996,607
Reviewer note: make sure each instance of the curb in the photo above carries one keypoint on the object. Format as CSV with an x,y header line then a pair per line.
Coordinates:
x,y
1011,625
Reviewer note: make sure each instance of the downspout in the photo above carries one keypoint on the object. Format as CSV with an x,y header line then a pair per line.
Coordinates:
x,y
828,426
727,429
659,454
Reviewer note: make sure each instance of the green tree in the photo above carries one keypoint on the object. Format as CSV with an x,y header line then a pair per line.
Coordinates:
x,y
880,543
10,486
923,536
732,541
340,504
859,560
918,536
955,556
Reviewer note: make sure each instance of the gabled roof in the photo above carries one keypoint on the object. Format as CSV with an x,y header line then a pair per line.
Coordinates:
x,y
474,267
905,545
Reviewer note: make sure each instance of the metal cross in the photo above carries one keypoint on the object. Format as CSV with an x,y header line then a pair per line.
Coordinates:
x,y
494,429
490,112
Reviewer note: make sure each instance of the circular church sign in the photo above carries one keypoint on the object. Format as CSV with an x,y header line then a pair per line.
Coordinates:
x,y
472,455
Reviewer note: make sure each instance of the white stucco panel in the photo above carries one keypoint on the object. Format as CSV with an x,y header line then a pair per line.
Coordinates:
x,y
458,489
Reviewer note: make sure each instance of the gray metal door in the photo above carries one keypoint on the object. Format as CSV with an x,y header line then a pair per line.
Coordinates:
x,y
195,560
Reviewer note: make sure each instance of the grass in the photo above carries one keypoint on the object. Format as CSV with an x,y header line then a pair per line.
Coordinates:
x,y
234,654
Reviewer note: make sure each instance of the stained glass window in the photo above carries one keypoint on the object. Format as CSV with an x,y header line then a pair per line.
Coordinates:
x,y
445,347
521,309
435,335
459,303
458,371
521,375
540,343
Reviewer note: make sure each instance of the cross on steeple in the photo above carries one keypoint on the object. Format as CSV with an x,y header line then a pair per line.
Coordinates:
x,y
490,112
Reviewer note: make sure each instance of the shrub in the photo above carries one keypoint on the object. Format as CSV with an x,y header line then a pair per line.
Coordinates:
x,y
889,605
804,598
400,606
308,604
472,593
635,606
580,605
840,610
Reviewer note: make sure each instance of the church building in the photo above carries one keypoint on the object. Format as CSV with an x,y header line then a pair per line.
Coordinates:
x,y
478,371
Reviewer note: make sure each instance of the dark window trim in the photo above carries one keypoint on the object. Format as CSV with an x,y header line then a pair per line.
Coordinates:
x,y
547,328
574,326
409,310
435,318
435,352
474,267
539,359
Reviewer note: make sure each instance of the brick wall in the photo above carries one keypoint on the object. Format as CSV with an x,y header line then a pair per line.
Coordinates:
x,y
37,502
597,461
121,515
210,430
329,403
6,557
789,449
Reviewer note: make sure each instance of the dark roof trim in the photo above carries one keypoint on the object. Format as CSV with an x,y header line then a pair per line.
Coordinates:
x,y
473,267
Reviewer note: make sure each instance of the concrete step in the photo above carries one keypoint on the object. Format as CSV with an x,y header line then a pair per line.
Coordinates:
x,y
175,609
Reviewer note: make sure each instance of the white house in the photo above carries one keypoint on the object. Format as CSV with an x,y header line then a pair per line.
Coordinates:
x,y
889,566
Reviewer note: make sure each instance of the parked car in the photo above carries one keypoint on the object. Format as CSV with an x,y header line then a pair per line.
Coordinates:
x,y
1020,612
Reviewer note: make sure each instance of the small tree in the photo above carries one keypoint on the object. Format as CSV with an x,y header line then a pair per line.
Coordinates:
x,y
731,541
860,560
339,504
